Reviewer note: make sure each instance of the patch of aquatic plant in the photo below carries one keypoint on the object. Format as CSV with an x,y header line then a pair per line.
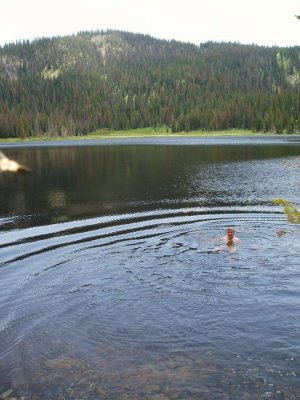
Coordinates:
x,y
291,211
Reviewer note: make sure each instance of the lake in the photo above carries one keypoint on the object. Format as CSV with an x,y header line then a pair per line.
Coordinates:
x,y
115,284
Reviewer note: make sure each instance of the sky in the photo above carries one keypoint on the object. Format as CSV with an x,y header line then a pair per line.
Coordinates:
x,y
263,22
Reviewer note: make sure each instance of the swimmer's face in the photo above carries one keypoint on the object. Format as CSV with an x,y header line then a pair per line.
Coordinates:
x,y
230,233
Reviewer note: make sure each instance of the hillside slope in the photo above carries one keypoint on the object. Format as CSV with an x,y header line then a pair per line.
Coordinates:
x,y
76,84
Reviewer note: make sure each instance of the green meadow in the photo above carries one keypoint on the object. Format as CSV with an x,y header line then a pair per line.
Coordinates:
x,y
137,133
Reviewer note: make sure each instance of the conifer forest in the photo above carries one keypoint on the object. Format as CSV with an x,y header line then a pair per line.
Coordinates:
x,y
76,84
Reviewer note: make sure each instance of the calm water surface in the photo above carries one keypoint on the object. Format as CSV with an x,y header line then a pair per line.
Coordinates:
x,y
110,285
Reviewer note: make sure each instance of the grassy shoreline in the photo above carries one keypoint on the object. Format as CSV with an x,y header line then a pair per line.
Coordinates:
x,y
139,133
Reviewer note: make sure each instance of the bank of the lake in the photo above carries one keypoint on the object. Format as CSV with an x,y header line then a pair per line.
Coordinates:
x,y
141,133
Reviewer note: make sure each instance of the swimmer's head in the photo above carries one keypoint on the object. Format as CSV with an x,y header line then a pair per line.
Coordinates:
x,y
230,233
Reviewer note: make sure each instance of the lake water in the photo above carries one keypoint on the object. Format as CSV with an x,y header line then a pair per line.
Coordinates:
x,y
111,286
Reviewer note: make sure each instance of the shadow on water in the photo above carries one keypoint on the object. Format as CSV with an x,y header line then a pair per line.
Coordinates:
x,y
110,286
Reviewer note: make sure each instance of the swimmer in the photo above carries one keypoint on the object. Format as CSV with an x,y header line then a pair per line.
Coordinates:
x,y
8,165
230,239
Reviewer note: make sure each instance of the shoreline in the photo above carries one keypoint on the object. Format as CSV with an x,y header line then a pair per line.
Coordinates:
x,y
141,133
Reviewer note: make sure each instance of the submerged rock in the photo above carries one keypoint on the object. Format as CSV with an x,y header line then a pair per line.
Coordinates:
x,y
6,394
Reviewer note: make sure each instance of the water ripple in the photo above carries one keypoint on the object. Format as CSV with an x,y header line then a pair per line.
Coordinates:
x,y
121,289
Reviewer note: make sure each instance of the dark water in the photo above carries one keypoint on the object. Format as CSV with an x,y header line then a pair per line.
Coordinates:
x,y
110,285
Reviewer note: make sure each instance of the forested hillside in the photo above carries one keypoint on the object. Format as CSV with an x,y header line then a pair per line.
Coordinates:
x,y
119,80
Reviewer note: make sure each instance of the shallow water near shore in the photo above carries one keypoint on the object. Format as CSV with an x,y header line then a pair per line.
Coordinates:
x,y
110,285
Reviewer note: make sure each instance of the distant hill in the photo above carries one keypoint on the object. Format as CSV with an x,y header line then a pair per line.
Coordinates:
x,y
119,80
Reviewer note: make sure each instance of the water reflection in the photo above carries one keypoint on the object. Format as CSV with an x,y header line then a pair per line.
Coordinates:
x,y
115,179
57,203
